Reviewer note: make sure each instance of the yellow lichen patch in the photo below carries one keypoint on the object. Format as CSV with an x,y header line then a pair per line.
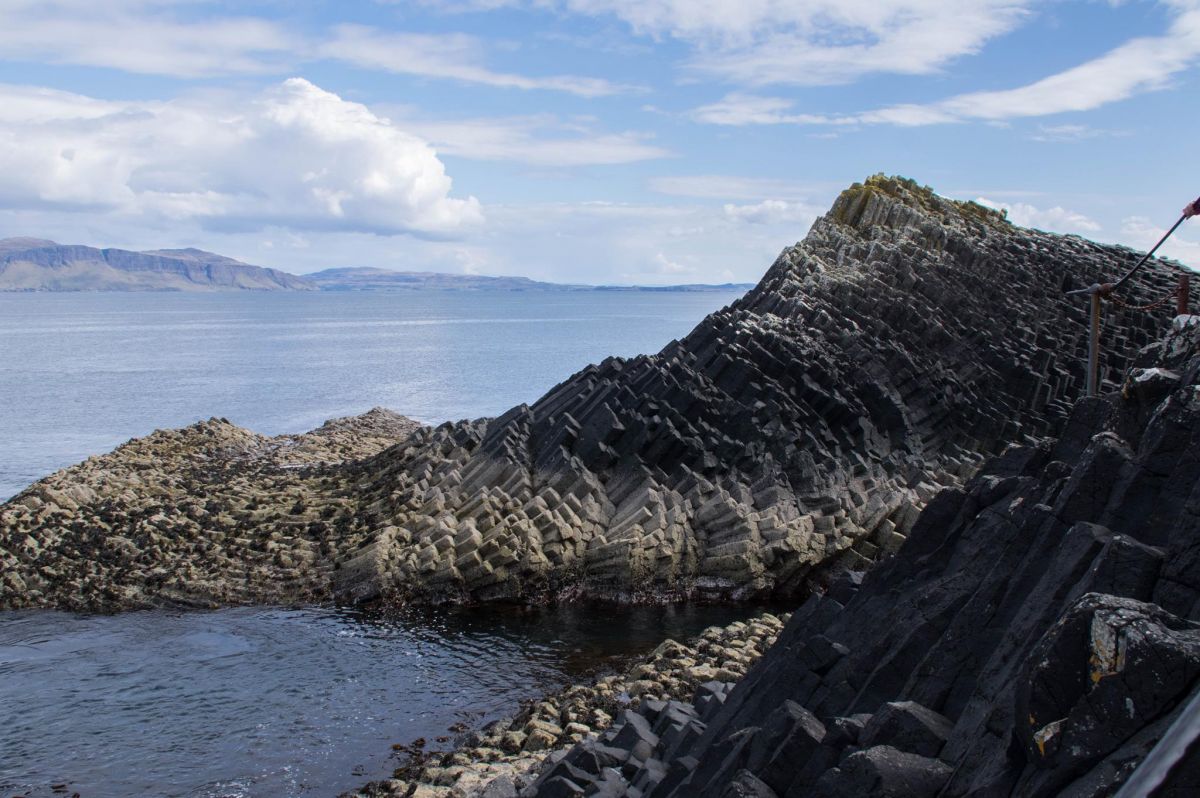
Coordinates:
x,y
1047,733
1107,649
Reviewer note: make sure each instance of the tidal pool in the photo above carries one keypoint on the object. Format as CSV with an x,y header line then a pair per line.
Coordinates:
x,y
283,702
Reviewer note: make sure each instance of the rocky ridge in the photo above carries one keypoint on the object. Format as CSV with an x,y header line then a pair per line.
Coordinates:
x,y
1036,636
799,430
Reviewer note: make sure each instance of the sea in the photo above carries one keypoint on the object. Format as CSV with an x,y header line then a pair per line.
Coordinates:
x,y
81,373
282,701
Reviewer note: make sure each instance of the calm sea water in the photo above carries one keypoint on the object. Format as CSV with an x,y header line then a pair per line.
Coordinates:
x,y
281,702
81,373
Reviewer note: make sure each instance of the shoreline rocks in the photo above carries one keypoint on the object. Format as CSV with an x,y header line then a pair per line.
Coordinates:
x,y
211,514
504,758
793,435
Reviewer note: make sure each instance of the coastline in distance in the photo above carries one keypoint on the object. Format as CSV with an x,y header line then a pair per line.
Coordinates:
x,y
35,264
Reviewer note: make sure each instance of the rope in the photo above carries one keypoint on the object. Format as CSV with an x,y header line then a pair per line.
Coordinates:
x,y
1172,294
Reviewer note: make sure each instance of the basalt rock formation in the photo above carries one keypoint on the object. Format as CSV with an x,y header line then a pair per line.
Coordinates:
x,y
209,514
799,430
1036,636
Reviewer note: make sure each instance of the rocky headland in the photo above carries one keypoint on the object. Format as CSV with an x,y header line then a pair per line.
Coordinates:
x,y
796,433
1000,579
1037,635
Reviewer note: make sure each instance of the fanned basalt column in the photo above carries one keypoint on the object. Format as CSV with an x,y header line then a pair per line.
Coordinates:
x,y
1037,636
801,428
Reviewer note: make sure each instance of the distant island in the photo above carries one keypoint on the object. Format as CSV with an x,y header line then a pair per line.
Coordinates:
x,y
36,264
368,279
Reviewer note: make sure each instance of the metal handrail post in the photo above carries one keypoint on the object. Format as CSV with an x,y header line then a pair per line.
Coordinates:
x,y
1095,292
1093,379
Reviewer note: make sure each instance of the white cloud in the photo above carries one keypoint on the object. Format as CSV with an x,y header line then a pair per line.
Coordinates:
x,y
137,36
1140,233
1054,133
1137,66
827,43
152,37
1056,219
455,56
771,211
816,42
35,104
294,156
668,266
727,187
583,242
737,109
634,243
540,140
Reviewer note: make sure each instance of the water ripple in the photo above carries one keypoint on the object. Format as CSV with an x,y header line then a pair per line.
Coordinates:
x,y
269,702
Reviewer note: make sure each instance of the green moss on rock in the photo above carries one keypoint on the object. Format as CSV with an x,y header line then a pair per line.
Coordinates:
x,y
852,204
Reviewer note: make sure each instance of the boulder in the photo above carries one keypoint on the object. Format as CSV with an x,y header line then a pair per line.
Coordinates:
x,y
908,726
884,772
1108,668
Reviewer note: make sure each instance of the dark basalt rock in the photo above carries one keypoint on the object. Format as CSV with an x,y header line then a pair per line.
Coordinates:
x,y
794,434
1107,669
908,726
883,771
747,785
1036,635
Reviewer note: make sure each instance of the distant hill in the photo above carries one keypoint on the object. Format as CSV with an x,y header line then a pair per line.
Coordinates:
x,y
368,279
34,264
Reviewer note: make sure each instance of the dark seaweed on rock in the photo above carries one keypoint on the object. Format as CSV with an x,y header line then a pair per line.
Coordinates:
x,y
798,430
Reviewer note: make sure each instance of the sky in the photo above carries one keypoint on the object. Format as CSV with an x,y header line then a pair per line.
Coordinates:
x,y
601,141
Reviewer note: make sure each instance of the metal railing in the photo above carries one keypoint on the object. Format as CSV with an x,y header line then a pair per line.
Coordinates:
x,y
1170,751
1097,292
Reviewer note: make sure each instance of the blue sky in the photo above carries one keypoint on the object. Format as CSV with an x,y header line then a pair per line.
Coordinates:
x,y
616,141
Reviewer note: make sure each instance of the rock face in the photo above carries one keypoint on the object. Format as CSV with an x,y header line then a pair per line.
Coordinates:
x,y
800,429
34,264
1035,636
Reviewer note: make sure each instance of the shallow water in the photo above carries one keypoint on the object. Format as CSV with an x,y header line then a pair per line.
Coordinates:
x,y
82,373
282,702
